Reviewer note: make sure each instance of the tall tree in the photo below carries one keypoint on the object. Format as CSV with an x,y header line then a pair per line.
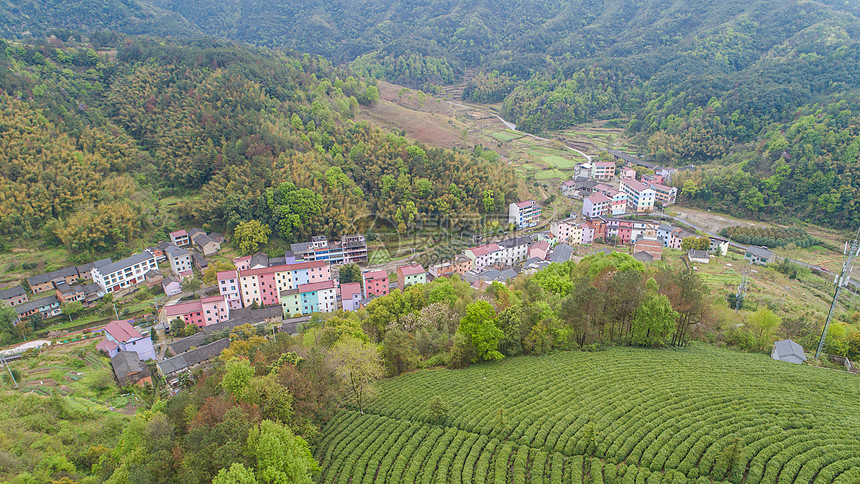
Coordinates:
x,y
358,365
479,325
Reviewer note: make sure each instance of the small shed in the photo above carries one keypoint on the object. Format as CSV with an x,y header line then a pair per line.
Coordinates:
x,y
698,256
788,350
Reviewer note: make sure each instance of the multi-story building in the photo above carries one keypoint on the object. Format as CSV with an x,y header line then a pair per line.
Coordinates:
x,y
264,285
626,173
483,256
677,239
664,234
652,247
180,260
512,250
409,275
66,293
84,269
124,273
202,312
538,250
350,294
587,233
47,307
640,197
228,286
351,249
617,202
45,282
524,214
180,238
664,194
375,283
14,296
316,297
596,205
121,336
603,170
567,231
718,245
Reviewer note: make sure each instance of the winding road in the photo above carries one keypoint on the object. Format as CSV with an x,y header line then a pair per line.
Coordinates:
x,y
513,127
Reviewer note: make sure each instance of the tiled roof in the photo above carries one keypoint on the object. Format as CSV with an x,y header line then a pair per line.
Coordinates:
x,y
316,286
411,270
224,275
542,245
283,268
380,274
37,304
107,345
12,292
350,289
484,249
50,276
193,357
122,331
514,242
127,262
636,185
178,233
598,198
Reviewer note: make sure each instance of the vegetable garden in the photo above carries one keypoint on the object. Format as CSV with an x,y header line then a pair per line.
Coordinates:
x,y
624,415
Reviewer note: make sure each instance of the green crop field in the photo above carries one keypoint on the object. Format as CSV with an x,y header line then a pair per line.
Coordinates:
x,y
623,415
560,162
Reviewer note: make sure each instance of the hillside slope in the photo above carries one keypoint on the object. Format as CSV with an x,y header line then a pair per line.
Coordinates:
x,y
624,415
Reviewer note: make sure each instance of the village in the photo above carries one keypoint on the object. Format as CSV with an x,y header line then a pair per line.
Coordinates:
x,y
284,291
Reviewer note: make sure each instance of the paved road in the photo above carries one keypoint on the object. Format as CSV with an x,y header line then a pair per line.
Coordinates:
x,y
852,281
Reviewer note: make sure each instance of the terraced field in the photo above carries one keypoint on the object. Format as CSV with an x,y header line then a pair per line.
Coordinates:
x,y
624,415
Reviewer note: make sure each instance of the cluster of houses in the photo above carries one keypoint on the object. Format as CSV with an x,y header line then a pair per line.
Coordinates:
x,y
647,237
594,184
128,349
87,283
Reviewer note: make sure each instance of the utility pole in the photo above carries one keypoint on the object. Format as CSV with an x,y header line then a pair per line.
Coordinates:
x,y
742,292
844,278
6,364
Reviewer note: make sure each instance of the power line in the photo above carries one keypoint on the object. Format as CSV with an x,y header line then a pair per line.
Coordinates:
x,y
841,281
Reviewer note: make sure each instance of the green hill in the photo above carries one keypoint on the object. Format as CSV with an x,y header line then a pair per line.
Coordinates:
x,y
762,94
619,416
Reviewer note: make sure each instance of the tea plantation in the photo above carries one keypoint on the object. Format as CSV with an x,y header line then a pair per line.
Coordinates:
x,y
623,415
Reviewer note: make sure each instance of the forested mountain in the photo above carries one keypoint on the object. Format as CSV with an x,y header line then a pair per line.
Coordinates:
x,y
718,84
91,140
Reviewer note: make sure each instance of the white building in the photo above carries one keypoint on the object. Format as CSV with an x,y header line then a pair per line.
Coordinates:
x,y
180,259
596,205
524,214
483,256
124,273
640,197
513,250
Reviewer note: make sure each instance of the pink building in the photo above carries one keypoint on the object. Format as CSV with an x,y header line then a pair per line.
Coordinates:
x,y
242,263
627,174
202,312
350,294
265,285
587,233
375,283
228,286
539,250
